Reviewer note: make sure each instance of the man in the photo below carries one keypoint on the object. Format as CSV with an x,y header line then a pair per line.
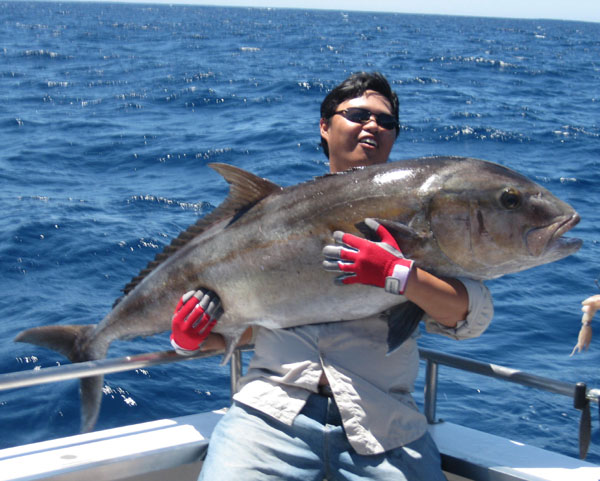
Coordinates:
x,y
326,401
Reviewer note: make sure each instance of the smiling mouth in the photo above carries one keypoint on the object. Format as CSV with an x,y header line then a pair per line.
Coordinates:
x,y
370,142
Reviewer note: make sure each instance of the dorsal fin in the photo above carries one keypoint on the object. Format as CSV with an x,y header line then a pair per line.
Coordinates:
x,y
246,189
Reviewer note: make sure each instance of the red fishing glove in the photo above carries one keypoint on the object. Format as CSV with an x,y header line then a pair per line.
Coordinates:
x,y
380,264
195,316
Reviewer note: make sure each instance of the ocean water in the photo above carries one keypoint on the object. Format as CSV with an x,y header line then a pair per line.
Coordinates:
x,y
111,113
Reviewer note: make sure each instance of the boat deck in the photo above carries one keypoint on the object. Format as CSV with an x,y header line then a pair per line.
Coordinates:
x,y
173,449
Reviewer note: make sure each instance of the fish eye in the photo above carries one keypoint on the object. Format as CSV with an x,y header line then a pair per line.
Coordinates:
x,y
510,198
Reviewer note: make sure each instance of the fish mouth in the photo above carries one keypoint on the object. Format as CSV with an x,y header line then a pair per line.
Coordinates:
x,y
549,240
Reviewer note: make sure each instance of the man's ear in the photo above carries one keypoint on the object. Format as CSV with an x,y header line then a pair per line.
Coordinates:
x,y
324,127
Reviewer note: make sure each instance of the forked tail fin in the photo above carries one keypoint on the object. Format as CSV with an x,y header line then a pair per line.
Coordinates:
x,y
75,343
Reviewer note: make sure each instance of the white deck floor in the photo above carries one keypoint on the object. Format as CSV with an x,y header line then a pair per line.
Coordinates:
x,y
172,449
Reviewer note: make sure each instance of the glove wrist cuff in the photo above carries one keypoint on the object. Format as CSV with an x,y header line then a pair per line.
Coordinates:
x,y
181,350
396,282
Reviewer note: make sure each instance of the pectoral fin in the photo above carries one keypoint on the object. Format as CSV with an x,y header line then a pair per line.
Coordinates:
x,y
402,322
404,234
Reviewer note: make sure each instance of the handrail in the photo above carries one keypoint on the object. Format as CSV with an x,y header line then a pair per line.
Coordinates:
x,y
65,372
505,373
128,363
579,392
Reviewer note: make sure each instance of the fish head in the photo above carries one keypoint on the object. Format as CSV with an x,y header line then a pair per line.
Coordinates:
x,y
488,221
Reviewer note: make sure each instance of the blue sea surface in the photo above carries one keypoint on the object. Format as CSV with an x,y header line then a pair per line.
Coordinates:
x,y
111,113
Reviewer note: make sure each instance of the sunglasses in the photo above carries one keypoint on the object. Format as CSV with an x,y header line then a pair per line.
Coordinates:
x,y
363,116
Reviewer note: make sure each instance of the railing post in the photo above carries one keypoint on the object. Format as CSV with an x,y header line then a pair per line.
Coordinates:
x,y
430,394
236,370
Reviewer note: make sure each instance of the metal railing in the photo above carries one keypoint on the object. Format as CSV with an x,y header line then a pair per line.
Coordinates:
x,y
435,358
581,395
94,368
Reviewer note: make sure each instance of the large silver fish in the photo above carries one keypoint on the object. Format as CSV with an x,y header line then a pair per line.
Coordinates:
x,y
260,250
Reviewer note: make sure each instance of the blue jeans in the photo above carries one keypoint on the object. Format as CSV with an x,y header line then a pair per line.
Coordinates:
x,y
248,445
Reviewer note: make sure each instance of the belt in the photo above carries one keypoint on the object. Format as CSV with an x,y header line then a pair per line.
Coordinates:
x,y
325,390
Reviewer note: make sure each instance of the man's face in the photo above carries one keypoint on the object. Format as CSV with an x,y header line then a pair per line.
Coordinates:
x,y
354,144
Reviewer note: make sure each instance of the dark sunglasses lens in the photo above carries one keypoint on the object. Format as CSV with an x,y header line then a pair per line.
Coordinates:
x,y
386,121
361,116
358,115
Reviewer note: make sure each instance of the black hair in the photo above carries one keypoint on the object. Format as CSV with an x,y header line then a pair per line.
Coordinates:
x,y
355,86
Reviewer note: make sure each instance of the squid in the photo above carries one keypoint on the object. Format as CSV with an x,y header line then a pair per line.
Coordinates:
x,y
590,306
